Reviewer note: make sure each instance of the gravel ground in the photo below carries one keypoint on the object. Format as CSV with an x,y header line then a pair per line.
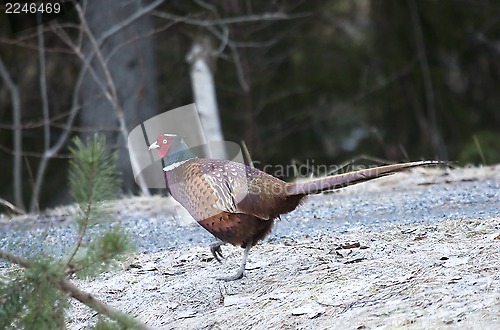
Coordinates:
x,y
419,197
422,230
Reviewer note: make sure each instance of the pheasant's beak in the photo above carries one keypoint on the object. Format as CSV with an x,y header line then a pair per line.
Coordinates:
x,y
154,146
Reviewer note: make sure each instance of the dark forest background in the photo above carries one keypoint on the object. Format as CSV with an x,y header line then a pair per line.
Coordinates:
x,y
296,80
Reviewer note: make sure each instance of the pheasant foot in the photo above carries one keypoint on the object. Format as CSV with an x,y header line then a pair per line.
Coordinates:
x,y
217,251
241,271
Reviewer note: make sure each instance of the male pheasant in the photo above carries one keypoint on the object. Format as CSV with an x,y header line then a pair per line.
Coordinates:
x,y
237,203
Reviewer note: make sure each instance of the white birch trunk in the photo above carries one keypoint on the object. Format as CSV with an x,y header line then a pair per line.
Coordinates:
x,y
203,85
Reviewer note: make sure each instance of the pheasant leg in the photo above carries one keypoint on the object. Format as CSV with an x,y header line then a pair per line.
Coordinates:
x,y
241,271
217,251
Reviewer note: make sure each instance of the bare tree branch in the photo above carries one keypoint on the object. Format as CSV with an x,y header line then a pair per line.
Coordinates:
x,y
230,20
46,119
129,20
224,35
11,206
112,95
51,152
68,126
30,153
245,86
34,46
18,139
75,107
136,38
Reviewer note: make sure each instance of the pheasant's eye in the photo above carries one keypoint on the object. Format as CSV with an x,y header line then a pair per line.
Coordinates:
x,y
165,141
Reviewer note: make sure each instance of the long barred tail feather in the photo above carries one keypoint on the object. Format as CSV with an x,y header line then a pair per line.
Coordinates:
x,y
351,178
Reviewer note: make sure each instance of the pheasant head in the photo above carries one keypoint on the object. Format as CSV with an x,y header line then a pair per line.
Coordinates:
x,y
172,149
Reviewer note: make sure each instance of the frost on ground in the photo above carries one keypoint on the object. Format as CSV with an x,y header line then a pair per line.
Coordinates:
x,y
439,267
433,276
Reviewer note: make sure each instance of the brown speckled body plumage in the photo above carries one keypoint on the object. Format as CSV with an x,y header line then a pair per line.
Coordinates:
x,y
234,202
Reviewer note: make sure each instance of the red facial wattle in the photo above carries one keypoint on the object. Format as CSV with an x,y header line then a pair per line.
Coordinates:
x,y
162,152
163,144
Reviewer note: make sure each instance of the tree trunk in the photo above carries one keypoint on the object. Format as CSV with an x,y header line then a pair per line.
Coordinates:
x,y
203,85
130,60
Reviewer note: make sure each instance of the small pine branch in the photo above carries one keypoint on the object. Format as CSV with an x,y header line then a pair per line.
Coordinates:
x,y
13,298
46,304
100,254
58,281
38,295
93,177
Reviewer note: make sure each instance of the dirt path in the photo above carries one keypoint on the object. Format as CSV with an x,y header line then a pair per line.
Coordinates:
x,y
439,272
